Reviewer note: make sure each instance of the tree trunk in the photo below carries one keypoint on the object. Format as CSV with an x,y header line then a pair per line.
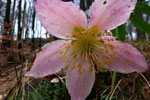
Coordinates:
x,y
6,30
13,14
82,5
7,13
19,21
33,24
24,18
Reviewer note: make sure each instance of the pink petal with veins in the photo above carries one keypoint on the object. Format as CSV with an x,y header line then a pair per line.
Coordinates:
x,y
127,59
48,61
108,14
59,18
80,85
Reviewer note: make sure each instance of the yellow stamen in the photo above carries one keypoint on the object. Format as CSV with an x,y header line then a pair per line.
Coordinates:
x,y
72,67
87,45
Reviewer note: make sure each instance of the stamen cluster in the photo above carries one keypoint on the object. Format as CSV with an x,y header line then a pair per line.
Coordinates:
x,y
88,46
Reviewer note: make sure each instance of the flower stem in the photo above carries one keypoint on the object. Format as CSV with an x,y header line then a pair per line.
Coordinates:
x,y
113,82
97,83
112,85
114,74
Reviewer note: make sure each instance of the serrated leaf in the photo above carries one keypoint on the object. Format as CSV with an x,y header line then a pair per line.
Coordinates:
x,y
120,32
140,23
142,7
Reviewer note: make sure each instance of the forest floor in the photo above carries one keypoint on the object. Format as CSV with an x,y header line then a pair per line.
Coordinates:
x,y
12,63
15,61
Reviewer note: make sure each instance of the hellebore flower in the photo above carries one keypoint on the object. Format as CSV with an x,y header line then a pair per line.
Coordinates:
x,y
86,46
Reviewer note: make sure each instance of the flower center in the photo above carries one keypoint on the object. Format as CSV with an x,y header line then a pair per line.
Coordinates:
x,y
85,41
86,46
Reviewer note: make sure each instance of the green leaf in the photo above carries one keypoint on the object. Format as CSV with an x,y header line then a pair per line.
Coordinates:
x,y
140,23
142,7
120,32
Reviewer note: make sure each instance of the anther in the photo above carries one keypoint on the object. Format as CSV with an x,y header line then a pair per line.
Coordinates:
x,y
99,66
105,31
104,63
113,53
61,52
63,45
108,39
112,39
101,40
106,50
108,62
90,69
67,36
108,33
72,67
111,46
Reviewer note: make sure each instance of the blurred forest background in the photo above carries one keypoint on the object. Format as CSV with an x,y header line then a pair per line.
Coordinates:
x,y
21,35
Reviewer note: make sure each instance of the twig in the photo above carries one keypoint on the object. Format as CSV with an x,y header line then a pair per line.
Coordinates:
x,y
145,80
115,89
35,91
105,90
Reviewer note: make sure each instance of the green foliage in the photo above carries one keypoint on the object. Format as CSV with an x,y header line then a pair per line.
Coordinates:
x,y
140,24
50,91
45,91
142,7
120,32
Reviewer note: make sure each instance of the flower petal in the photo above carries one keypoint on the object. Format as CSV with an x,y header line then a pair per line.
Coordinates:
x,y
127,59
80,85
60,18
48,61
108,14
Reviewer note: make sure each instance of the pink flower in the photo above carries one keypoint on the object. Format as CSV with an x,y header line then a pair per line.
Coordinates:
x,y
84,48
